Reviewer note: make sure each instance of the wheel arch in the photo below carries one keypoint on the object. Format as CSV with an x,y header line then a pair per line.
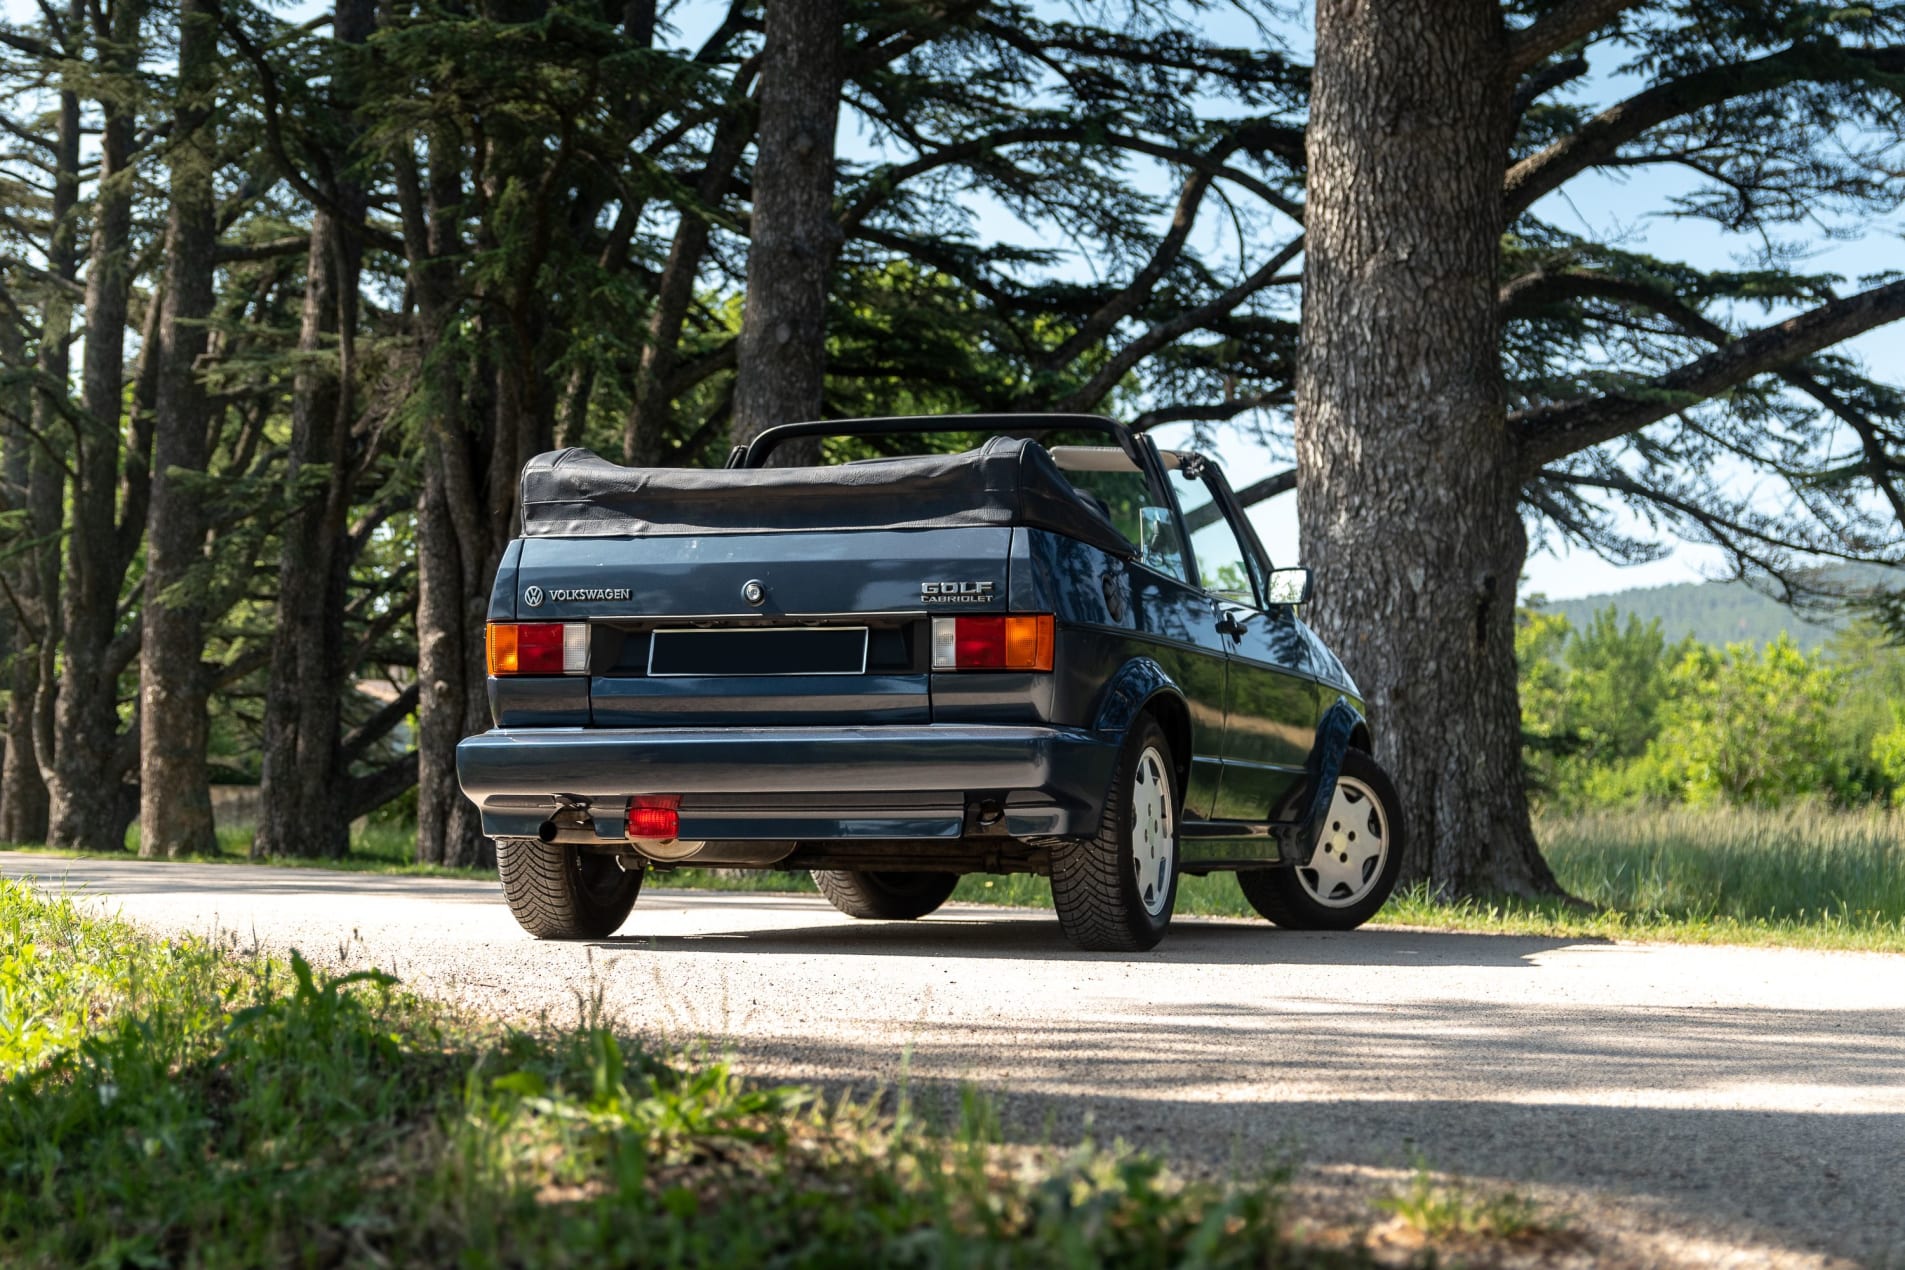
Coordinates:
x,y
1143,687
1341,728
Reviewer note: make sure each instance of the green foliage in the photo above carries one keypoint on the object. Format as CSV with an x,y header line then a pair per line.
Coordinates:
x,y
1613,714
1448,1208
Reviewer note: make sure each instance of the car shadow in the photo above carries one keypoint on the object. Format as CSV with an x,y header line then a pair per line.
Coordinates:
x,y
969,934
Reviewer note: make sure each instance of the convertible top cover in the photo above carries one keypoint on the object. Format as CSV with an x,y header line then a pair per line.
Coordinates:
x,y
1007,481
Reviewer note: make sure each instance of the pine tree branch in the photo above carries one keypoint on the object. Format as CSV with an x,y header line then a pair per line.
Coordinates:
x,y
1120,364
378,726
1127,300
1550,432
1544,81
1269,487
367,793
1209,412
1560,26
1543,287
1597,140
1724,530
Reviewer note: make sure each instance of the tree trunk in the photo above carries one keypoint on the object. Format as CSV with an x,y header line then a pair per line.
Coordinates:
x,y
452,603
464,519
33,571
90,803
651,410
304,773
1406,481
175,800
22,795
793,235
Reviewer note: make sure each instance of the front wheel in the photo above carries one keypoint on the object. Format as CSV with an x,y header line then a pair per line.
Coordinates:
x,y
556,891
1358,857
1115,892
884,895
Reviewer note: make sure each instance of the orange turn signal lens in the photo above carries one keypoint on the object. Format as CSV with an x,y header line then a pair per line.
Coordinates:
x,y
1028,642
501,648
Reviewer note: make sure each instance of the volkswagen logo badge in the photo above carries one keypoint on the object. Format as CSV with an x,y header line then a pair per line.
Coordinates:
x,y
532,596
753,592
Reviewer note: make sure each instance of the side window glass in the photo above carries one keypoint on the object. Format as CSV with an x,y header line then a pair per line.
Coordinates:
x,y
1162,548
1221,559
1126,500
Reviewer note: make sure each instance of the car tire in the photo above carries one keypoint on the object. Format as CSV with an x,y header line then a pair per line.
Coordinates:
x,y
882,895
556,891
1115,892
1364,814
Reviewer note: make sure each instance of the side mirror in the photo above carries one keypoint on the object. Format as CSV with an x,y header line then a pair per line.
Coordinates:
x,y
1160,547
1290,586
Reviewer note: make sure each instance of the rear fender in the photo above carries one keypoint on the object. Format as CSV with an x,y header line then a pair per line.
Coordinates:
x,y
1130,691
1309,806
1142,686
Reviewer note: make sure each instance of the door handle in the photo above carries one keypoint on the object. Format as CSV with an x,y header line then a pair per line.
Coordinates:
x,y
1227,624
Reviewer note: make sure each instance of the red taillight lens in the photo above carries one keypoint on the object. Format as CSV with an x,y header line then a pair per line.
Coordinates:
x,y
650,817
538,648
1003,642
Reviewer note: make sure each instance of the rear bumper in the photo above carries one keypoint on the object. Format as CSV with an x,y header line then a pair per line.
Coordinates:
x,y
924,781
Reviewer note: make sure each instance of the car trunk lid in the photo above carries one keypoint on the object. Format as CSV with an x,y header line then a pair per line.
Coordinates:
x,y
768,629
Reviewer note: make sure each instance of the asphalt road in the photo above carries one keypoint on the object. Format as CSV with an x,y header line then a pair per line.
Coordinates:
x,y
1749,1104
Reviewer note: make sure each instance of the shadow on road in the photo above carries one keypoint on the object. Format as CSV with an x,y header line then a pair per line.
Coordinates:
x,y
1598,1102
966,934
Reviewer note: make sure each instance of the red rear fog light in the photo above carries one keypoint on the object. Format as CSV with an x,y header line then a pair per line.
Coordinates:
x,y
658,818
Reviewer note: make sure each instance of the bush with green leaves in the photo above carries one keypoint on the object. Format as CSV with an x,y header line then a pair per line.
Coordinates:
x,y
1614,714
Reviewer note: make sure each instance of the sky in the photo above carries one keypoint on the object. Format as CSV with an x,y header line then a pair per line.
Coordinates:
x,y
1623,209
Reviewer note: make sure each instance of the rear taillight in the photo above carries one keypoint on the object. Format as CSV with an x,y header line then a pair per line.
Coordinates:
x,y
538,648
654,816
1006,642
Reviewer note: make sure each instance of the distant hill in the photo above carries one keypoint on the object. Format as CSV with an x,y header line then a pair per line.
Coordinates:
x,y
1713,612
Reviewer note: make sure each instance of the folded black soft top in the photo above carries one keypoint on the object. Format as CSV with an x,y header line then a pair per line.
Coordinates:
x,y
1007,481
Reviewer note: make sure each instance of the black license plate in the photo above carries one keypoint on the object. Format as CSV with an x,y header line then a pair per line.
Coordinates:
x,y
764,650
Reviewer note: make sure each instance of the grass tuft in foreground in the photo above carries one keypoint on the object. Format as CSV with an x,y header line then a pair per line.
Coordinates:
x,y
1444,1209
186,1104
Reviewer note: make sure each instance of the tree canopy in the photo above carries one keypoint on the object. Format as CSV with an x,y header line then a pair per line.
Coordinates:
x,y
285,303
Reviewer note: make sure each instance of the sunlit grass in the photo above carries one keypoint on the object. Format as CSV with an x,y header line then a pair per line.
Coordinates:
x,y
1807,877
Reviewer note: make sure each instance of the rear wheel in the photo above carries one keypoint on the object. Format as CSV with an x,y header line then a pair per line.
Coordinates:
x,y
1358,857
884,895
1115,892
558,892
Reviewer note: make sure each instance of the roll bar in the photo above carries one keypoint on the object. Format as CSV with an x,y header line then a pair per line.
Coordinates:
x,y
756,452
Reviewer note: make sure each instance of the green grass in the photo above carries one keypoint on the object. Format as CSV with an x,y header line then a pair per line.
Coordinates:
x,y
376,847
1806,877
183,1103
1443,1209
1814,878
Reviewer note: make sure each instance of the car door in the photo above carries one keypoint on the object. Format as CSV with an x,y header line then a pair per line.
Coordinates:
x,y
1271,699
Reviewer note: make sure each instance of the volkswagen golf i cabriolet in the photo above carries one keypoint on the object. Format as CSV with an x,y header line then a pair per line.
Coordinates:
x,y
1062,652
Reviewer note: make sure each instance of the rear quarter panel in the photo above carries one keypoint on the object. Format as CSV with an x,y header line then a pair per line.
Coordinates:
x,y
1111,612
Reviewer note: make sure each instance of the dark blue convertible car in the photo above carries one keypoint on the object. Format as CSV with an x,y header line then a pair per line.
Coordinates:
x,y
1062,652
